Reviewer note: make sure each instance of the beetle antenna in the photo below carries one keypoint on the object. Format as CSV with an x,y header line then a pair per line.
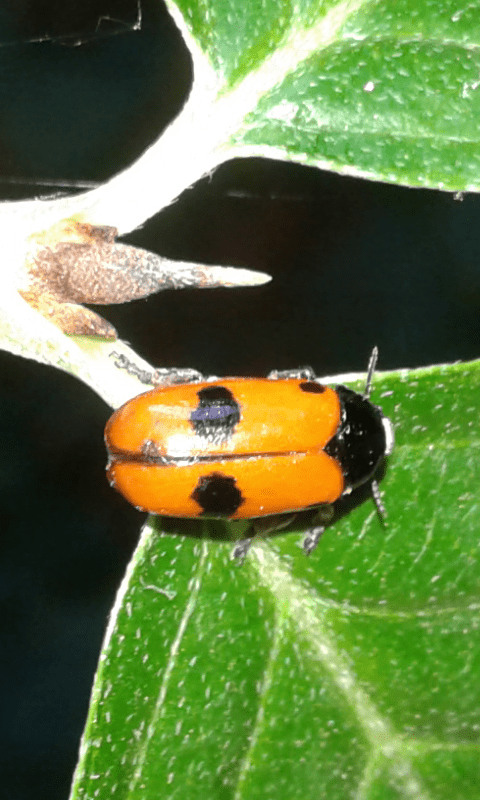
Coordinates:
x,y
370,372
377,499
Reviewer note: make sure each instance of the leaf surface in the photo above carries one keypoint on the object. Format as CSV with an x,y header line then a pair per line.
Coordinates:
x,y
387,90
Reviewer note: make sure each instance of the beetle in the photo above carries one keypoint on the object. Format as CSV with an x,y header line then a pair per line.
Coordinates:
x,y
247,448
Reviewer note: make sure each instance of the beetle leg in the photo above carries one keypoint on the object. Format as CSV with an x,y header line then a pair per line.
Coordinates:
x,y
159,377
260,526
302,373
243,546
168,377
312,538
314,534
122,362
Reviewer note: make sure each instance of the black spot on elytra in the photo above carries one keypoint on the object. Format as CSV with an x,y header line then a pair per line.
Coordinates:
x,y
218,495
216,415
312,387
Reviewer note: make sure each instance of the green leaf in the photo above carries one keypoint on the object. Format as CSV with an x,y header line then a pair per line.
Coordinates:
x,y
385,90
352,674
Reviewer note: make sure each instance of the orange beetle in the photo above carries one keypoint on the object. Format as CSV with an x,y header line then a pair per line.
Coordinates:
x,y
243,448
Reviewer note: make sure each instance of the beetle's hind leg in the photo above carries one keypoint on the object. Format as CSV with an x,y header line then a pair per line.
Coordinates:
x,y
302,373
168,377
158,377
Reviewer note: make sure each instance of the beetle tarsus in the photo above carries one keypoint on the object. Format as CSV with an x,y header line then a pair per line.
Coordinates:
x,y
122,362
312,538
158,377
170,377
300,374
241,549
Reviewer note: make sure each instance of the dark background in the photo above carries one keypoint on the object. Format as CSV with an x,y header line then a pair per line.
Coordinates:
x,y
353,263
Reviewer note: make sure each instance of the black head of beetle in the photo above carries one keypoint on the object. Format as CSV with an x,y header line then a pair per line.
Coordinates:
x,y
363,439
